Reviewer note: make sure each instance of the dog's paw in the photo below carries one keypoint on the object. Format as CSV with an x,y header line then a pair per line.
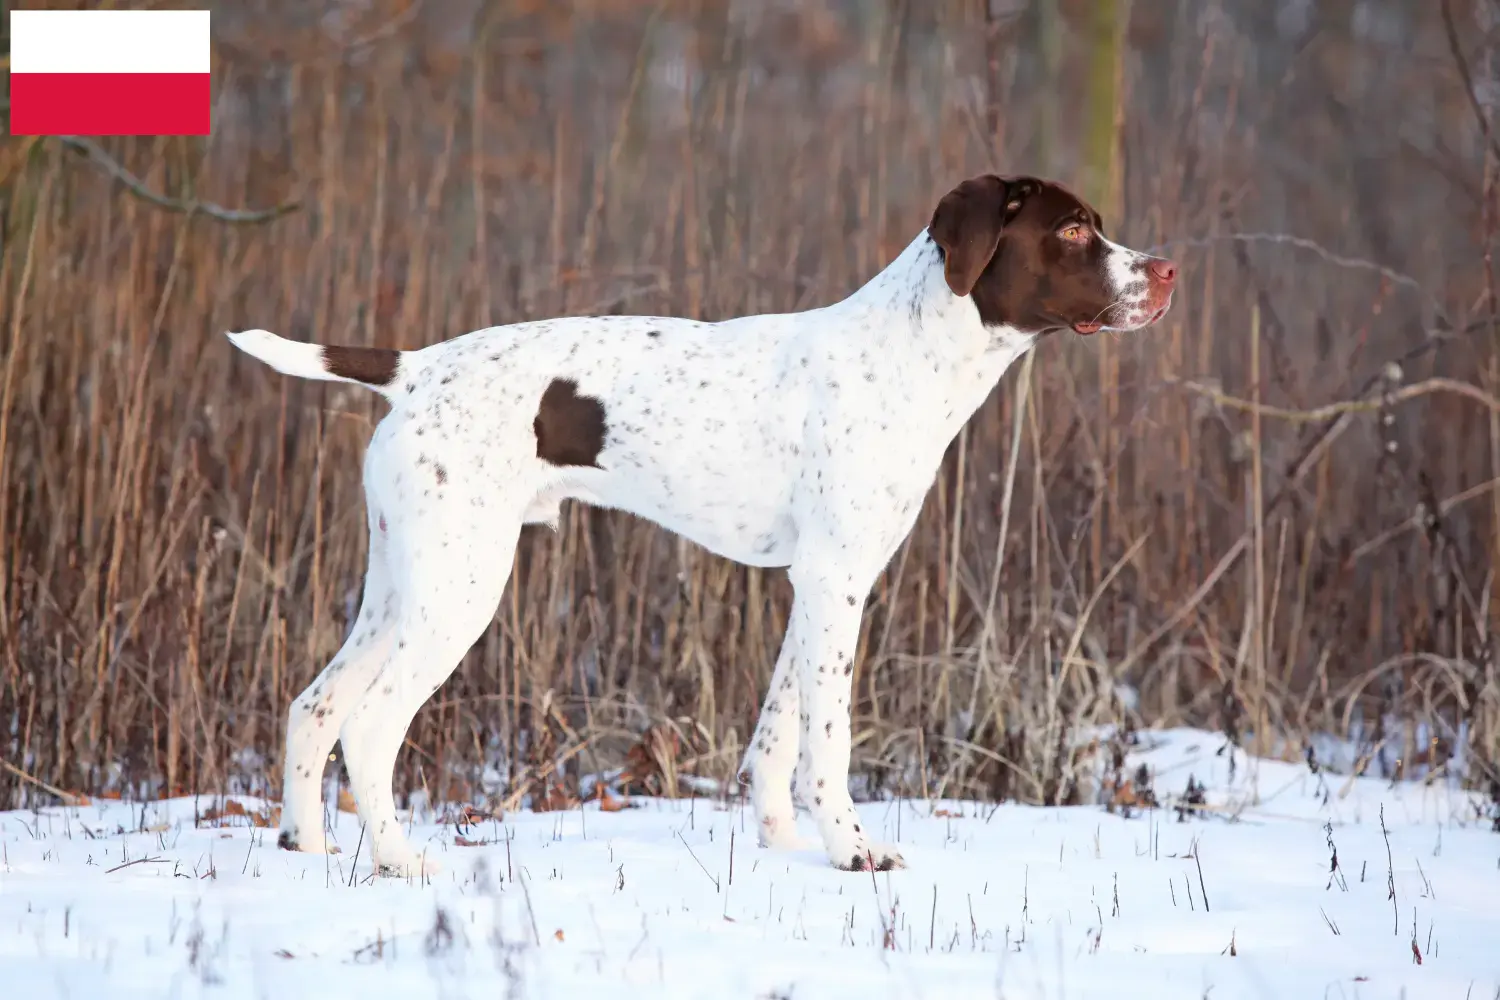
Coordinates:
x,y
779,833
877,857
289,841
407,864
787,839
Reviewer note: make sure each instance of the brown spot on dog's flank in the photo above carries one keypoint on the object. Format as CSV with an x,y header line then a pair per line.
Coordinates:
x,y
442,475
371,365
569,427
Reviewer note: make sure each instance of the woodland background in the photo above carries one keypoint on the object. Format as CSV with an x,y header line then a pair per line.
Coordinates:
x,y
1119,536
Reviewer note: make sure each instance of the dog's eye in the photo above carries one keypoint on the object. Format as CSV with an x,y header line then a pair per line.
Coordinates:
x,y
1074,234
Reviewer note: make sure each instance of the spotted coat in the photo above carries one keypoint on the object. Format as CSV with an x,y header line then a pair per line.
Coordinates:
x,y
803,440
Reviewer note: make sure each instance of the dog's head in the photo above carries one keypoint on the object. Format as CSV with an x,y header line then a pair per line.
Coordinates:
x,y
1032,256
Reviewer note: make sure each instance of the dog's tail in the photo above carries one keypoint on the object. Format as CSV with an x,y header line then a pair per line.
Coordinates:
x,y
377,367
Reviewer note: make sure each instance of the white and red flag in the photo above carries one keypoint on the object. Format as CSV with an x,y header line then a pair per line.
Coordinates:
x,y
109,72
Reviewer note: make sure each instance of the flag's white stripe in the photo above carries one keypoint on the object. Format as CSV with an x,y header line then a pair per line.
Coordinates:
x,y
109,41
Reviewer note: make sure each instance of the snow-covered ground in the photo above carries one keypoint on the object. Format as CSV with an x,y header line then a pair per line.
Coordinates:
x,y
673,899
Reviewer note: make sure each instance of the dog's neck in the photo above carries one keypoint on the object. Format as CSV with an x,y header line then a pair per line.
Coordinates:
x,y
912,290
940,332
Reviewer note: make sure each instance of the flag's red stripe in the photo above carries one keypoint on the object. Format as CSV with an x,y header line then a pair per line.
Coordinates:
x,y
109,103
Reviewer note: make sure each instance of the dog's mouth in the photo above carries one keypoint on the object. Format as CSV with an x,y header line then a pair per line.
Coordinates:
x,y
1090,327
1160,311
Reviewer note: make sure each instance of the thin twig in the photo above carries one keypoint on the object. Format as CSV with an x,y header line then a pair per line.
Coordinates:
x,y
711,877
138,187
390,27
1390,871
1202,887
1466,76
1416,522
1331,410
315,56
137,861
887,931
1358,263
536,936
354,861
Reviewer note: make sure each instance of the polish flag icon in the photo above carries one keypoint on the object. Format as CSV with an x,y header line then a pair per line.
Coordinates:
x,y
109,72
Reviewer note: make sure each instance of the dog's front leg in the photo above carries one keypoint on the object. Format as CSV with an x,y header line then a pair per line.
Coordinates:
x,y
827,612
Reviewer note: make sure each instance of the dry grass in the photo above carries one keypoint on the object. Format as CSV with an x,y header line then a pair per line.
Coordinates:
x,y
182,542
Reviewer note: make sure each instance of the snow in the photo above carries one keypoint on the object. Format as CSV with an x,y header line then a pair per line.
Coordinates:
x,y
124,900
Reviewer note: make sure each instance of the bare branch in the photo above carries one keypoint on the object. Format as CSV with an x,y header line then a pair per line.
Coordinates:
x,y
1466,76
1360,263
138,187
1332,410
69,798
1416,523
274,45
1337,418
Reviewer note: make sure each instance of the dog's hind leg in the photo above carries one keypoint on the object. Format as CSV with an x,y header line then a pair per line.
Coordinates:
x,y
453,570
316,715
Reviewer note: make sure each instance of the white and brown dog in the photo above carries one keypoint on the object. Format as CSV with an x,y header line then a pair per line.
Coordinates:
x,y
806,440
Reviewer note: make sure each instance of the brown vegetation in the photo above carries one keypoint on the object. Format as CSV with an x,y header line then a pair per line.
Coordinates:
x,y
181,531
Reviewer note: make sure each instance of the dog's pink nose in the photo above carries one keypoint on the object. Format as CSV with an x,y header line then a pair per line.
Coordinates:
x,y
1164,271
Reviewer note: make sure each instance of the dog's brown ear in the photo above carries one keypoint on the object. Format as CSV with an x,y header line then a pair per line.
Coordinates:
x,y
967,225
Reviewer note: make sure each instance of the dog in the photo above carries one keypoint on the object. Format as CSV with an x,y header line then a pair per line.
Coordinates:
x,y
803,440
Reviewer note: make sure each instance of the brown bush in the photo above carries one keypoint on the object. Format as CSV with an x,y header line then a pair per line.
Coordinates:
x,y
180,530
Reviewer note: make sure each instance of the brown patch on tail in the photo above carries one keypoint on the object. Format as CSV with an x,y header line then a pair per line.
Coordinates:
x,y
374,366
